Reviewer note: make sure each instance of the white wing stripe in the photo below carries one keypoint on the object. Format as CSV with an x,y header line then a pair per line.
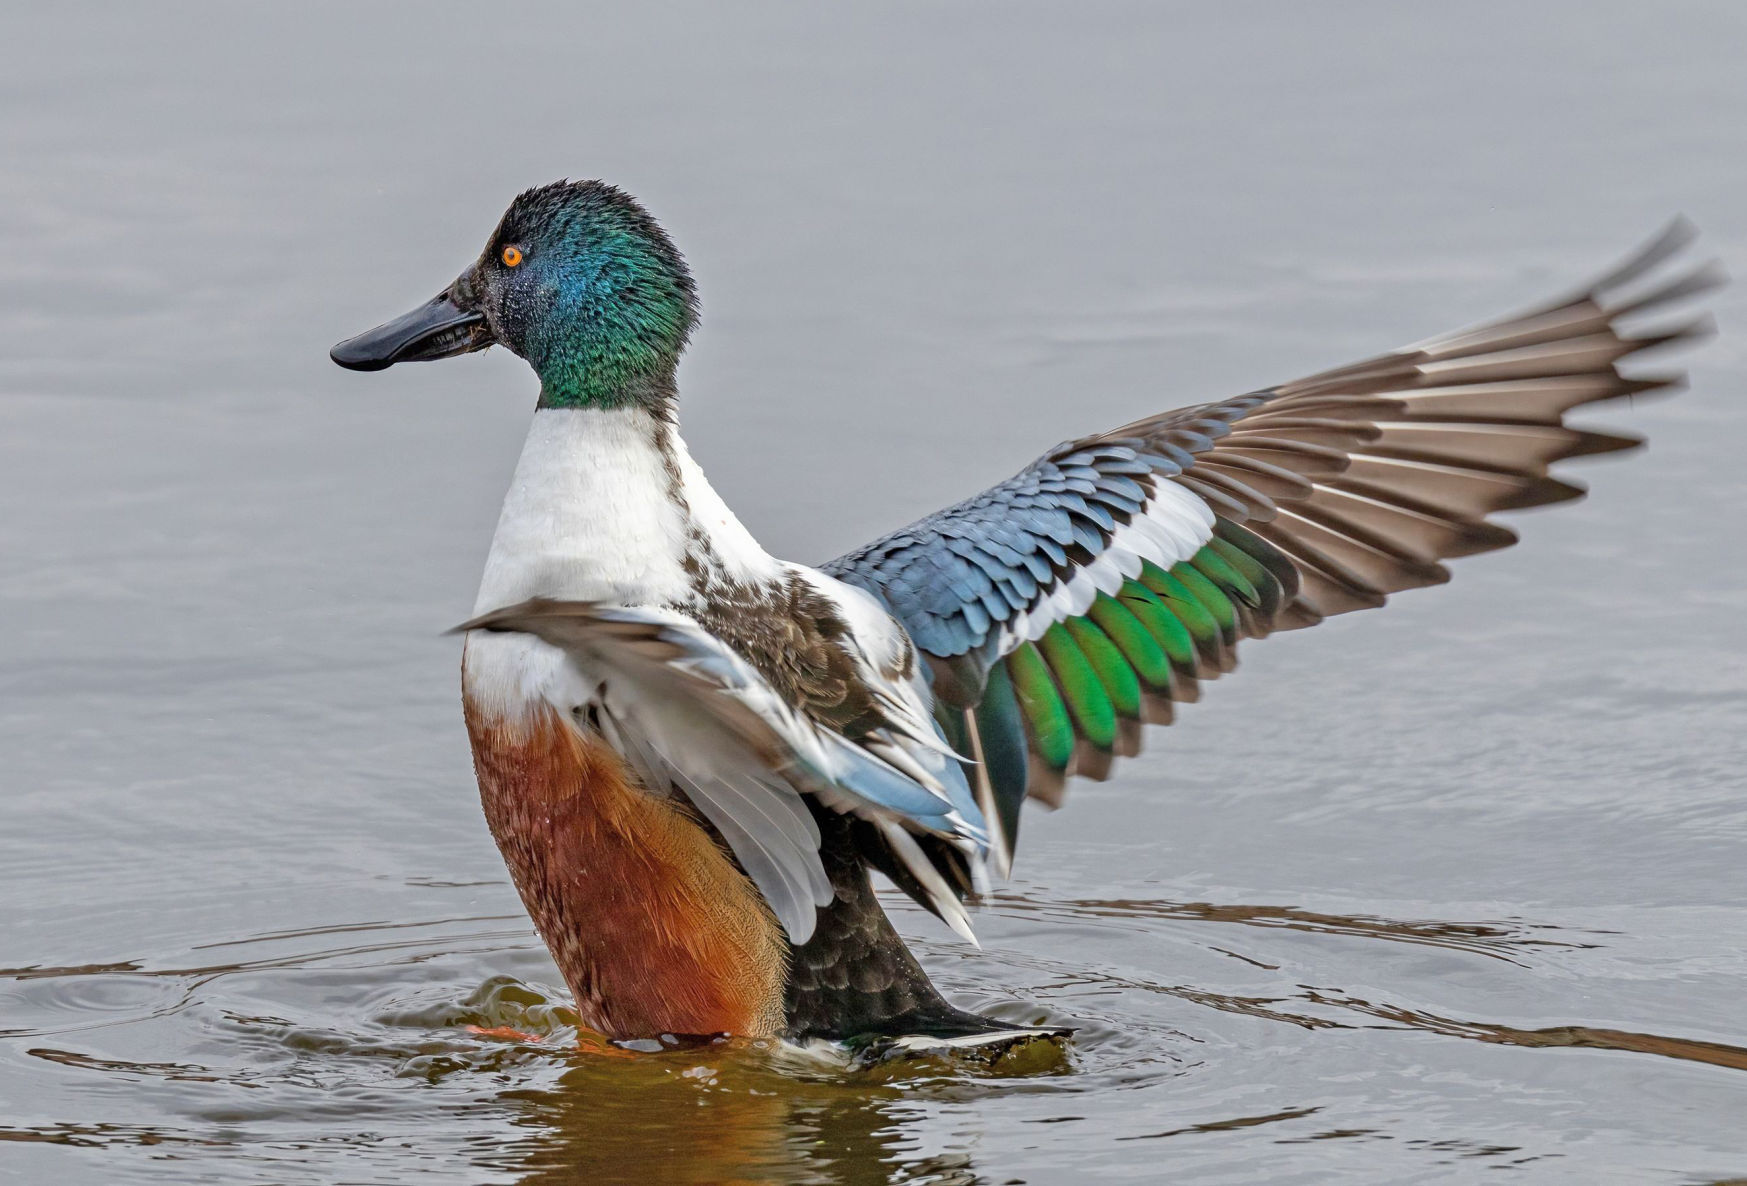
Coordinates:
x,y
1173,526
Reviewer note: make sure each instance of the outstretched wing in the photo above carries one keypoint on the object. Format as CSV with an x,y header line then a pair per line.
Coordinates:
x,y
1080,598
688,713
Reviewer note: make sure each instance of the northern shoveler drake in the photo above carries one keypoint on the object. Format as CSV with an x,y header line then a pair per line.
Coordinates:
x,y
692,754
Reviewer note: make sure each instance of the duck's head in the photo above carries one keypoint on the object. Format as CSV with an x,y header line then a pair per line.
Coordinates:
x,y
579,280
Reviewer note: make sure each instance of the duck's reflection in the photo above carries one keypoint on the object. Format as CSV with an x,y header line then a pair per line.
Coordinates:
x,y
727,1119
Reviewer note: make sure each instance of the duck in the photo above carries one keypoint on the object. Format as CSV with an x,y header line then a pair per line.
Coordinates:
x,y
693,755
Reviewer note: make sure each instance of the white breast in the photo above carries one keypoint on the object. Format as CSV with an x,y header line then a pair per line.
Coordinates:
x,y
589,515
605,506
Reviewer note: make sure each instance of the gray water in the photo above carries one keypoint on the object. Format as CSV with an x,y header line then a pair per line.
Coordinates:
x,y
1420,895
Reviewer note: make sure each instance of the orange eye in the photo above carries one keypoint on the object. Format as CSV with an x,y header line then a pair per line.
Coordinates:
x,y
511,256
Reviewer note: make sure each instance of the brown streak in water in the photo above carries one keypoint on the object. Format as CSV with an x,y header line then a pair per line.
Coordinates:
x,y
38,972
1718,1054
96,1136
1225,1125
1246,959
1478,938
345,927
133,968
166,1070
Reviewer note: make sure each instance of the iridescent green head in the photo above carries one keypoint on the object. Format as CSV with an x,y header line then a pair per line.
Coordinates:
x,y
579,280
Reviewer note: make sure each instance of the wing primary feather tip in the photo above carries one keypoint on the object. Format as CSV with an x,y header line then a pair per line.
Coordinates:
x,y
940,898
1679,232
959,921
492,622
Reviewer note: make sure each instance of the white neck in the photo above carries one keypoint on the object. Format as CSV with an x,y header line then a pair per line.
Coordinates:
x,y
606,505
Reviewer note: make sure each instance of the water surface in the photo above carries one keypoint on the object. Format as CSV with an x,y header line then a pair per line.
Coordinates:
x,y
1420,895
